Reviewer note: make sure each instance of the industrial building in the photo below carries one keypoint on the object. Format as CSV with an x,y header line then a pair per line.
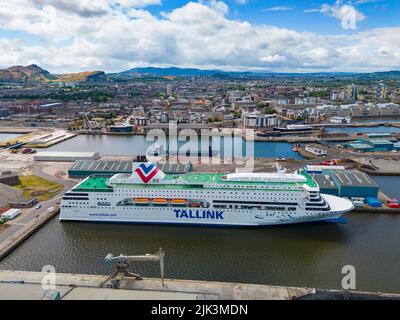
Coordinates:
x,y
373,145
84,168
9,178
22,202
65,156
346,183
316,150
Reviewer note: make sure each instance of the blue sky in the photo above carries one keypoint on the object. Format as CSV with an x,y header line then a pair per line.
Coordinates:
x,y
268,35
291,13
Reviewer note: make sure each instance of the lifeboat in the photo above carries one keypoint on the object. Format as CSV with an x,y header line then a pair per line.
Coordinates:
x,y
160,201
141,200
179,201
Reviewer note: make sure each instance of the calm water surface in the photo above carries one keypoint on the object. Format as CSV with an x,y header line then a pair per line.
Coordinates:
x,y
353,130
137,145
303,255
389,185
8,136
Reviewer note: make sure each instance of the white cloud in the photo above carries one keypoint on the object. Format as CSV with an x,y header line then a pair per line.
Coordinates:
x,y
280,8
137,3
98,36
242,2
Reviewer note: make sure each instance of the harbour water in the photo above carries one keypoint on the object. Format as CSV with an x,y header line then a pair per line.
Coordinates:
x,y
376,120
7,136
354,130
389,185
137,145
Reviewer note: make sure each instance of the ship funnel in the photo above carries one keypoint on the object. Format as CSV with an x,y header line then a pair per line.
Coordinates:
x,y
147,171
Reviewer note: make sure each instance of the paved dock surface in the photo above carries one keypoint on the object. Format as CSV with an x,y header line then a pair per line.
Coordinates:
x,y
28,286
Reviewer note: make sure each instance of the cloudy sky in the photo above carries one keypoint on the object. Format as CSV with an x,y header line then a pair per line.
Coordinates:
x,y
115,35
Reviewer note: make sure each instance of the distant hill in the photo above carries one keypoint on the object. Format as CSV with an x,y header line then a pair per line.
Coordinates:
x,y
175,71
387,74
34,73
31,73
83,76
172,71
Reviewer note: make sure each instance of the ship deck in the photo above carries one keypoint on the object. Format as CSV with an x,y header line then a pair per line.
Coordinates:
x,y
97,183
94,183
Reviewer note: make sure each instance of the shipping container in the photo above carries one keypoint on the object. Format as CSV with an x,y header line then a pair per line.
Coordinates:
x,y
374,202
11,214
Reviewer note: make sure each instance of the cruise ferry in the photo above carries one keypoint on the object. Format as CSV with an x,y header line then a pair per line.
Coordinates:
x,y
147,195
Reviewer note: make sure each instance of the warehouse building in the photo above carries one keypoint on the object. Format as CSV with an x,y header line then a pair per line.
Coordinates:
x,y
374,145
65,156
85,168
326,184
353,183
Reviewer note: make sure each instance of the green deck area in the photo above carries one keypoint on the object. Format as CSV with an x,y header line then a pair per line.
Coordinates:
x,y
187,181
202,178
94,183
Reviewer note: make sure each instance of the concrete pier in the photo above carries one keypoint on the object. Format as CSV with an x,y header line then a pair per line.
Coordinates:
x,y
28,286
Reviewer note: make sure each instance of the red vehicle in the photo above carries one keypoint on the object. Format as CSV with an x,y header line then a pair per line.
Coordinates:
x,y
394,205
28,151
329,163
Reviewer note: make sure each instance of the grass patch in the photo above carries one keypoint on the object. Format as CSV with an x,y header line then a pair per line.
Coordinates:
x,y
38,187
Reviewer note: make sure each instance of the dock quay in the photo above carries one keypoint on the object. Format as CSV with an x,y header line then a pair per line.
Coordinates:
x,y
24,285
38,138
389,166
25,232
22,130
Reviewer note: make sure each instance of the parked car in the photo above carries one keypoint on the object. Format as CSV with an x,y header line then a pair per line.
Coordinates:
x,y
394,205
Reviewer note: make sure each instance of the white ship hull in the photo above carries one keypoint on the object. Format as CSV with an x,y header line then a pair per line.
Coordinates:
x,y
202,217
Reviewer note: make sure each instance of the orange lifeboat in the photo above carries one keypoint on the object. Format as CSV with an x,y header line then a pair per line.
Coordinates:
x,y
141,200
179,201
160,201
